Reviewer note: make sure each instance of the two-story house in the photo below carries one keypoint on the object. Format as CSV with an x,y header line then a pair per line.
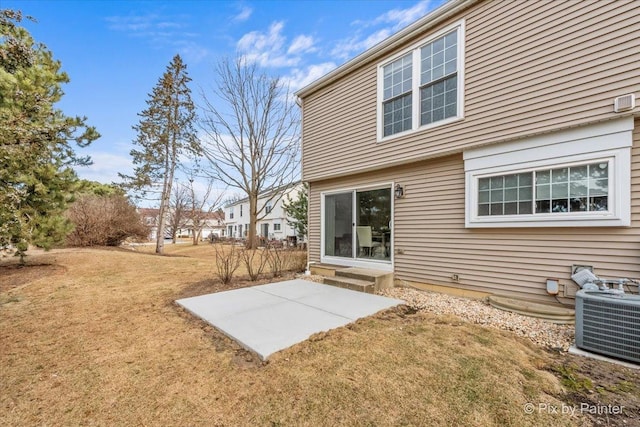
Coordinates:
x,y
486,148
273,222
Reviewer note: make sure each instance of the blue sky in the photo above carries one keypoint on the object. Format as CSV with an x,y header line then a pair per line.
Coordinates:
x,y
115,51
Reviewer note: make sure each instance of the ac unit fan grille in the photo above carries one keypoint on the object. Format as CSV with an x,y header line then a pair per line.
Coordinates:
x,y
611,329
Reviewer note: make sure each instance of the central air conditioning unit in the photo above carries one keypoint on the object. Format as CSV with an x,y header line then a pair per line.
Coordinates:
x,y
608,323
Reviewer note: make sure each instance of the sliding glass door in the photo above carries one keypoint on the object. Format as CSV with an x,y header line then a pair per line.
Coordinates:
x,y
373,224
338,225
357,224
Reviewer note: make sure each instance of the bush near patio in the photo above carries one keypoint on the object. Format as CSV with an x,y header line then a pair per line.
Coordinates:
x,y
274,260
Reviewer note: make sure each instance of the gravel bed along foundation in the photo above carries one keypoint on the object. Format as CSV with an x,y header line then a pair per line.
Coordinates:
x,y
541,332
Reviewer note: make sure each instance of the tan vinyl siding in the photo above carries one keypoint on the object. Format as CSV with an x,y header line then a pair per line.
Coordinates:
x,y
530,67
429,227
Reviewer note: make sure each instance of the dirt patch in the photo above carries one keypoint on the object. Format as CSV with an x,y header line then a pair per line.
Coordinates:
x,y
608,394
210,286
241,357
12,276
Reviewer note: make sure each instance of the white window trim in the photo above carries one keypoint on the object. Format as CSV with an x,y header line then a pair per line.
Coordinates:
x,y
415,80
609,141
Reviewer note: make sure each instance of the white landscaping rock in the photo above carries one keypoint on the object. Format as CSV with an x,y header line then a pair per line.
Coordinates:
x,y
541,332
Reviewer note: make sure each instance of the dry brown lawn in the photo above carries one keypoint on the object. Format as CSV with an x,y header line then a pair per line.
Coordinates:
x,y
93,337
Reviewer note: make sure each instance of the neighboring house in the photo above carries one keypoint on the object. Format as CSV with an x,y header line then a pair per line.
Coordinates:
x,y
213,224
274,225
483,149
150,219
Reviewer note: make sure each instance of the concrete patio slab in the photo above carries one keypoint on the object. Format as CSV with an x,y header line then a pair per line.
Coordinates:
x,y
269,318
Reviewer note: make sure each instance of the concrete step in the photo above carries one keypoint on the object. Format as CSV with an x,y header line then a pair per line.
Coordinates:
x,y
381,279
366,286
325,269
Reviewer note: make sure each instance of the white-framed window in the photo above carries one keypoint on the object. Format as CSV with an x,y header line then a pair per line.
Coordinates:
x,y
231,212
268,208
575,178
276,226
581,187
422,86
240,211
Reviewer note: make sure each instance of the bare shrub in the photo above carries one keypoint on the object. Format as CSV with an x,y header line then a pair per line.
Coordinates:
x,y
296,260
255,261
104,220
228,259
276,259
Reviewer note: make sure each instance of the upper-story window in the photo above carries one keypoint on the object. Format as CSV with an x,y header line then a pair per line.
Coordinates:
x,y
240,211
231,213
397,96
423,85
268,207
439,79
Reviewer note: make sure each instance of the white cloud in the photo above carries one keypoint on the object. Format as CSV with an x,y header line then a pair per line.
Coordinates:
x,y
192,52
402,17
268,49
105,167
390,21
244,14
300,78
301,44
350,47
131,24
161,31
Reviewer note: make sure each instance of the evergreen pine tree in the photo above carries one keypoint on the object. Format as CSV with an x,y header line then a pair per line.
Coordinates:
x,y
36,152
164,134
298,210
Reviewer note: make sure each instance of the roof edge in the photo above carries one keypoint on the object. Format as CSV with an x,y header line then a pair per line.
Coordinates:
x,y
433,18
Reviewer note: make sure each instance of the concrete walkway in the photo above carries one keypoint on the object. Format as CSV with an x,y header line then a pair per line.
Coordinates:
x,y
269,318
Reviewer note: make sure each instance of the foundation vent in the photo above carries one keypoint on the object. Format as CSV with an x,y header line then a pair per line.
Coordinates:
x,y
624,103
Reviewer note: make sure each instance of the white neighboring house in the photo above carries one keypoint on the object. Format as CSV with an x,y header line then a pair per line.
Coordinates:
x,y
274,226
213,224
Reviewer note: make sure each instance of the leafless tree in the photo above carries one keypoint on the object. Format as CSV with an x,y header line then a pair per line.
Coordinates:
x,y
201,208
178,211
251,135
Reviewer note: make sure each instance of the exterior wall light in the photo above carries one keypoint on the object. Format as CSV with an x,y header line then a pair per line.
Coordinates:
x,y
399,191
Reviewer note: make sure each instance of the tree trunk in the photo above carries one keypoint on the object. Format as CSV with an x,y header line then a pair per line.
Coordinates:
x,y
252,242
196,236
164,203
162,213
